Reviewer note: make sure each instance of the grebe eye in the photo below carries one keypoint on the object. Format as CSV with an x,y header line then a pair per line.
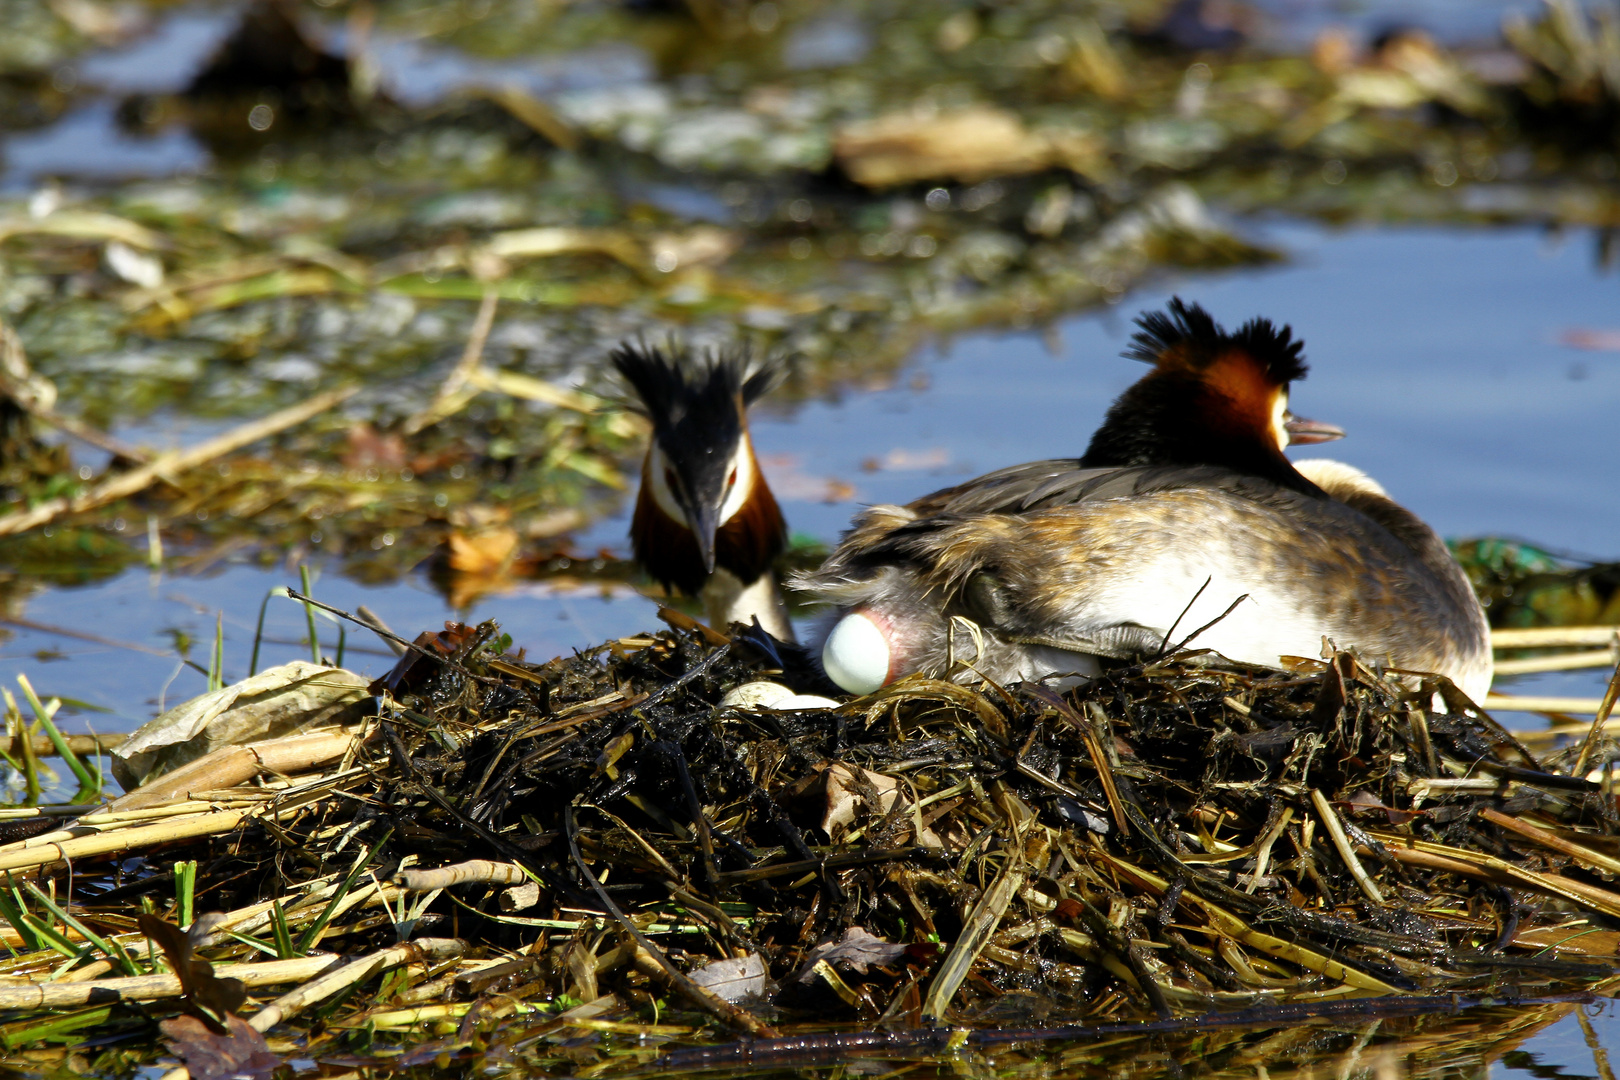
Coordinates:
x,y
670,481
731,481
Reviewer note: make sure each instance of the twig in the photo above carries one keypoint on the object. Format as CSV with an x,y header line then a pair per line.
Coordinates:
x,y
389,635
1603,711
82,431
446,402
1182,644
58,995
723,1010
296,1001
976,933
1341,842
175,463
1164,645
82,635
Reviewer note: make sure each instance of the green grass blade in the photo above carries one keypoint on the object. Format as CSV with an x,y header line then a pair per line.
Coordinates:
x,y
185,890
258,630
309,614
118,956
25,747
13,913
55,1028
312,934
283,935
89,785
216,659
268,948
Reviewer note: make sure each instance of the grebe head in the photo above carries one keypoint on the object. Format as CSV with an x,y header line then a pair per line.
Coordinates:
x,y
699,476
1212,398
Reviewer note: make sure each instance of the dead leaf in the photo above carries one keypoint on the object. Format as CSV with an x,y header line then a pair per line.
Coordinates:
x,y
857,949
413,668
848,790
733,980
369,449
214,998
487,552
966,145
278,701
239,1052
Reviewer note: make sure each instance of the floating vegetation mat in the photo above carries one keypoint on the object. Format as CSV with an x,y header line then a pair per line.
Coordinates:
x,y
596,865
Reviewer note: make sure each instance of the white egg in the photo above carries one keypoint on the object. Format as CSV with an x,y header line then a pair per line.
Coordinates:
x,y
767,695
856,655
806,701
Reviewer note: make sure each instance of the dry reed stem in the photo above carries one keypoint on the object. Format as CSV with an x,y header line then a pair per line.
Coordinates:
x,y
60,995
451,396
1557,637
1581,706
232,765
186,828
296,1001
83,745
1549,839
1229,924
1591,658
174,463
1341,843
341,978
976,933
98,826
19,383
442,877
1590,743
1477,864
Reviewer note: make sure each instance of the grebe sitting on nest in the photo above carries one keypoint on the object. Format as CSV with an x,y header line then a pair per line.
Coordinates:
x,y
1183,524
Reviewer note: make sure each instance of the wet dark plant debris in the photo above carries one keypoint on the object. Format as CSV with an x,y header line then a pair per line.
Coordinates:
x,y
600,867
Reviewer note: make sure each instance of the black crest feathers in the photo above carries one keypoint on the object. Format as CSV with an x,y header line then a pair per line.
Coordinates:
x,y
1186,336
698,407
677,388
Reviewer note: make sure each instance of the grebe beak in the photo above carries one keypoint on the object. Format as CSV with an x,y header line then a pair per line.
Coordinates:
x,y
1303,432
705,523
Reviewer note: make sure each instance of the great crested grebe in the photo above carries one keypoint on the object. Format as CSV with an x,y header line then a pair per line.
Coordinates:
x,y
1183,524
705,520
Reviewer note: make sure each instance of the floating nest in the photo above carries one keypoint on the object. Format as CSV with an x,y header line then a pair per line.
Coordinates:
x,y
600,847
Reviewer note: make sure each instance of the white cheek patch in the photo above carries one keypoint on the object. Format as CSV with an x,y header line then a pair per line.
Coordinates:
x,y
743,463
856,655
655,470
1279,420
